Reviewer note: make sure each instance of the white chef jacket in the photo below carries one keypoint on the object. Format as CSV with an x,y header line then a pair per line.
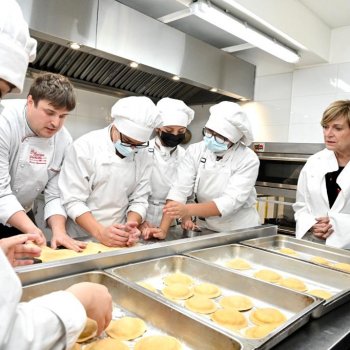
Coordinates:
x,y
53,321
94,179
312,198
229,183
28,164
165,162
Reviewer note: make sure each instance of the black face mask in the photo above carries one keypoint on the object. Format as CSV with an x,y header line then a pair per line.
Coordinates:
x,y
171,140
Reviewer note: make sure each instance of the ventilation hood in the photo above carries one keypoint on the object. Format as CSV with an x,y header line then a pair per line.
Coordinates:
x,y
113,35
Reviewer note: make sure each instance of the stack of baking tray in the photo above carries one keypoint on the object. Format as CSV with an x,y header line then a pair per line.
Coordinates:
x,y
159,317
296,307
300,249
336,283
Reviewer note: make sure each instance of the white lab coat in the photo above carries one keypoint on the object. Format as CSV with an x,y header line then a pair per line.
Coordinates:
x,y
51,322
228,182
164,168
28,164
94,179
312,199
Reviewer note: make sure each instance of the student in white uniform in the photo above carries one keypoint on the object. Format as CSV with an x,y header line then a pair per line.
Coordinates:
x,y
104,180
322,205
221,172
33,142
166,154
53,321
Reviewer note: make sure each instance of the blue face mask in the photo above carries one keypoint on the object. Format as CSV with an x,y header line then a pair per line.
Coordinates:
x,y
124,150
214,146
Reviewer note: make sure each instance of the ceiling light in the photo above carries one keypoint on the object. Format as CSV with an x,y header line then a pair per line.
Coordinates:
x,y
74,46
133,64
175,77
230,24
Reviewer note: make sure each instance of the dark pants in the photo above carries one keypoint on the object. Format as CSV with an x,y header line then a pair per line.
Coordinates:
x,y
6,231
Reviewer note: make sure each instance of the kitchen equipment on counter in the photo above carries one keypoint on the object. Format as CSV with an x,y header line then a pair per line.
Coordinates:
x,y
315,277
297,307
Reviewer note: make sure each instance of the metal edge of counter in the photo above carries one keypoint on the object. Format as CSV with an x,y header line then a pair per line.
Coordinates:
x,y
41,272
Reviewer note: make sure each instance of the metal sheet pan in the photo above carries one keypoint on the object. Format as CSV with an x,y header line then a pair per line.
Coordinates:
x,y
315,277
297,307
159,317
305,249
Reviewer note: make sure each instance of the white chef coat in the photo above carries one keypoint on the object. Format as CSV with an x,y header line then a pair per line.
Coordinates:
x,y
312,198
28,164
53,321
94,179
229,183
165,162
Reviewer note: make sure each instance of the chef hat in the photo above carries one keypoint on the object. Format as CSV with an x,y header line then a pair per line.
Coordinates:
x,y
174,112
17,48
136,117
229,120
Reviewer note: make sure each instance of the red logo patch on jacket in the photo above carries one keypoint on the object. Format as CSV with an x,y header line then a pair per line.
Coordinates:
x,y
37,157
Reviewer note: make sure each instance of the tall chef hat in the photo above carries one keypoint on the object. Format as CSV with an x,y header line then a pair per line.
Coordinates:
x,y
174,112
17,48
229,120
136,117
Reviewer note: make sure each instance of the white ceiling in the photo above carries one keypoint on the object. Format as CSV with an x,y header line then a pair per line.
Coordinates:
x,y
303,25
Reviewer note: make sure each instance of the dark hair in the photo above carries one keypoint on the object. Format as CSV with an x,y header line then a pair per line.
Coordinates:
x,y
335,110
54,88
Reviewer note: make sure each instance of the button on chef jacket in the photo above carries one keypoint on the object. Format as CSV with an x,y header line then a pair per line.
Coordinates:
x,y
94,179
28,164
228,182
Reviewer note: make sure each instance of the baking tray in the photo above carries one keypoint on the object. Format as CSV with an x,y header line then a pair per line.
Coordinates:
x,y
160,318
315,277
297,307
305,249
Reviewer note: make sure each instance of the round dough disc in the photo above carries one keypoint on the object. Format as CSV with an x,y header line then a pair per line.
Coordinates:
x,y
89,331
293,283
177,291
268,276
207,290
238,264
229,318
267,315
200,304
163,342
126,328
237,302
178,277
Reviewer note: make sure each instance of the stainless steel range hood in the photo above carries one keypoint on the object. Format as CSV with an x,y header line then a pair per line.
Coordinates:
x,y
112,35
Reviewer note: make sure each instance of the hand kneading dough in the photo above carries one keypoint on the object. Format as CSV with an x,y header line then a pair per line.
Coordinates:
x,y
177,291
320,260
229,318
207,290
257,332
155,342
126,328
288,251
178,278
267,315
293,283
89,331
107,344
238,264
237,302
268,276
201,305
320,293
342,266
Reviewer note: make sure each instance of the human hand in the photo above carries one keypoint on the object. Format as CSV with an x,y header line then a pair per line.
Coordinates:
x,y
175,210
323,228
17,252
40,239
134,233
154,232
62,238
96,300
188,224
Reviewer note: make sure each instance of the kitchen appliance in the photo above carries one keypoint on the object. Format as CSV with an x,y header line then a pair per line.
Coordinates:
x,y
276,185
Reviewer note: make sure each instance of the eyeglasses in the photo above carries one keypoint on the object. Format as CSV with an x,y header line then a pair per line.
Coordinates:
x,y
134,145
218,138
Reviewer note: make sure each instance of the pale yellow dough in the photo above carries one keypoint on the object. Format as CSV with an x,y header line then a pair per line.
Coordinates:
x,y
158,342
268,316
258,332
229,318
89,331
201,305
177,291
268,276
320,260
237,302
207,290
288,251
107,344
126,328
342,266
293,283
238,264
320,293
178,277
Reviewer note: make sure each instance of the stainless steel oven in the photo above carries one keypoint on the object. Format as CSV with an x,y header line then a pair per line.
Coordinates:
x,y
280,166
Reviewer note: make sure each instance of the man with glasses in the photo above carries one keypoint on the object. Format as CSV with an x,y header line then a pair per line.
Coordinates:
x,y
105,177
221,172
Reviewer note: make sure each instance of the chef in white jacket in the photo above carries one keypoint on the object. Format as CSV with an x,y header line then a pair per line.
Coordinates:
x,y
166,153
53,321
104,180
221,172
322,205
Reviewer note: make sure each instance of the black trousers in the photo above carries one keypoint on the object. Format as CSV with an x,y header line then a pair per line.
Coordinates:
x,y
6,231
